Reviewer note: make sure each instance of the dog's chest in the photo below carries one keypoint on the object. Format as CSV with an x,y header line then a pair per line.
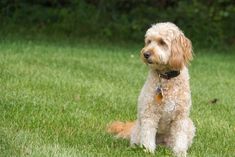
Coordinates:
x,y
166,116
168,96
167,106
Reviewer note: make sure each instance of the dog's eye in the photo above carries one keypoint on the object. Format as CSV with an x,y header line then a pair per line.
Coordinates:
x,y
148,42
161,42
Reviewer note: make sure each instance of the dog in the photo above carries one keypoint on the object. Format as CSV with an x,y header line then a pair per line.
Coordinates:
x,y
165,99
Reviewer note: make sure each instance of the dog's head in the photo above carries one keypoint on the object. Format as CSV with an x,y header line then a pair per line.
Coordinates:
x,y
166,47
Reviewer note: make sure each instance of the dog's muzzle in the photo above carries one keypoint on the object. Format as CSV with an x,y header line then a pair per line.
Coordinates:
x,y
147,57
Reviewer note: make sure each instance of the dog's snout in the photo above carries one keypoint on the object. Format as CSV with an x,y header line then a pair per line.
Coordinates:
x,y
147,55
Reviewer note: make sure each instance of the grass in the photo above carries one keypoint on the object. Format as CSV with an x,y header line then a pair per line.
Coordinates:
x,y
57,98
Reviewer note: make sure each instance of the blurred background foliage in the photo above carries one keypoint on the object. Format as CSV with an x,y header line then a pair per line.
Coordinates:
x,y
206,22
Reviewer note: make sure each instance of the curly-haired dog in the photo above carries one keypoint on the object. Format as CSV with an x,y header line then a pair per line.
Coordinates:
x,y
165,99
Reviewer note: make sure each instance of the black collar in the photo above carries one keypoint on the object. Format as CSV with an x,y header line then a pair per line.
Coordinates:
x,y
170,74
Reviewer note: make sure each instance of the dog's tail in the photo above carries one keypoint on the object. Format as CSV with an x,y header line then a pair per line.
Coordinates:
x,y
121,129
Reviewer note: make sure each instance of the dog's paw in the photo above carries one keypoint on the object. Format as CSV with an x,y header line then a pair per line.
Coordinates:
x,y
180,154
149,148
134,145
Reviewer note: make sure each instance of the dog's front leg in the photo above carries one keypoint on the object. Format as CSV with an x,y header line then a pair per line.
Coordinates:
x,y
149,125
182,133
135,134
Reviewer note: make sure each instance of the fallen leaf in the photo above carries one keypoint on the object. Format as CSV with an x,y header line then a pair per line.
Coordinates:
x,y
213,101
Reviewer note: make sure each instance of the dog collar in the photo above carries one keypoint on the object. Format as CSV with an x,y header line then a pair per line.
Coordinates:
x,y
170,74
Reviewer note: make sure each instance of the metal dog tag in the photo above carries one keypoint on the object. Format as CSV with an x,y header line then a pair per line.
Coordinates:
x,y
159,95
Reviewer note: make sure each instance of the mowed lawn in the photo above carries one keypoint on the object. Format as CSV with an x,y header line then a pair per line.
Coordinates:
x,y
56,99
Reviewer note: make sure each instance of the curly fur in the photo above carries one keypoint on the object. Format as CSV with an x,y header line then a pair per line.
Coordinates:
x,y
166,122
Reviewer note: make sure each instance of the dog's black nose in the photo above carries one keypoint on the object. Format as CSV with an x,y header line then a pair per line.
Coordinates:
x,y
147,55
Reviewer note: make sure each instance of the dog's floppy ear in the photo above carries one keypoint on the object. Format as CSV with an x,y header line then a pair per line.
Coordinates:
x,y
181,52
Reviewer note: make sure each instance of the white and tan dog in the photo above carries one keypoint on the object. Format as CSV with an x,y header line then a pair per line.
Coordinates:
x,y
165,99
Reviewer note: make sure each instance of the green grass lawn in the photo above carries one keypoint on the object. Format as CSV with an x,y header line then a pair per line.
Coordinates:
x,y
57,98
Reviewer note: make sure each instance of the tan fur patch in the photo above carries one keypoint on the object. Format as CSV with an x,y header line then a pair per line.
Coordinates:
x,y
121,129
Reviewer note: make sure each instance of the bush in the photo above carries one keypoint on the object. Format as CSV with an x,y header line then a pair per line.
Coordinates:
x,y
207,23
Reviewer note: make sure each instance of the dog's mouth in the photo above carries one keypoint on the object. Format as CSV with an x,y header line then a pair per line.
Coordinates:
x,y
155,65
149,61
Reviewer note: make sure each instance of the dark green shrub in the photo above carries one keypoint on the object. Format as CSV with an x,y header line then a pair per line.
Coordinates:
x,y
208,23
